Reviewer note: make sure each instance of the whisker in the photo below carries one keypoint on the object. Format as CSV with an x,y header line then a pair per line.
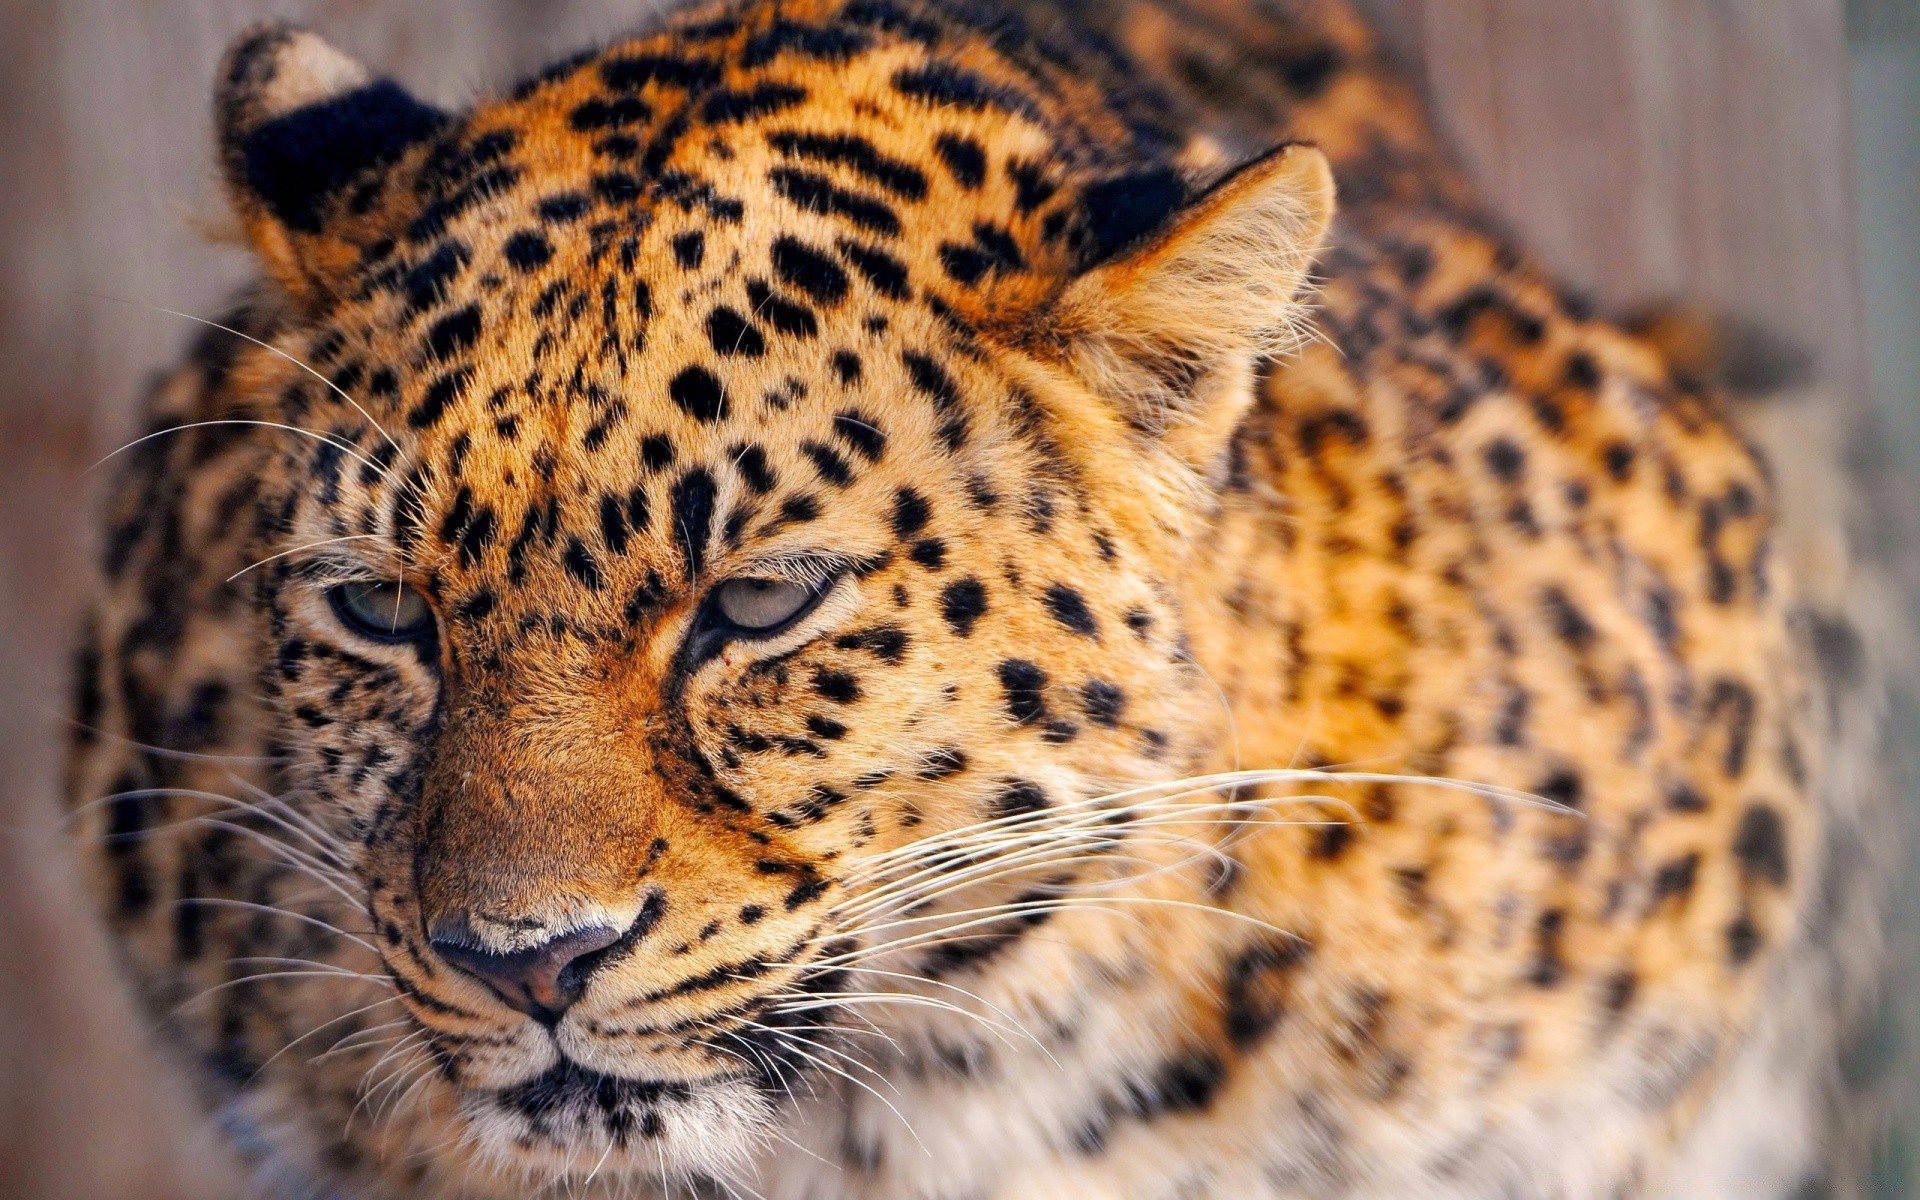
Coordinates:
x,y
345,447
352,537
250,906
271,349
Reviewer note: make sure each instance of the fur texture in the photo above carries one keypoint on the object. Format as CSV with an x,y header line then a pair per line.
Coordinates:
x,y
1236,737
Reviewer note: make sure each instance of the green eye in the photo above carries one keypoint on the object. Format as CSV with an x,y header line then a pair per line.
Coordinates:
x,y
382,612
762,605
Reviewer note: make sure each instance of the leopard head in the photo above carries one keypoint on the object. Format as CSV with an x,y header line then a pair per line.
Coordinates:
x,y
733,461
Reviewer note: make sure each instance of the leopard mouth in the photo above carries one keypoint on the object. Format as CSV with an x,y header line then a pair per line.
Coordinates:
x,y
567,1094
699,1127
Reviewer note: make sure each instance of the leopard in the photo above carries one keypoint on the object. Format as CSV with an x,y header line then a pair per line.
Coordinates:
x,y
961,601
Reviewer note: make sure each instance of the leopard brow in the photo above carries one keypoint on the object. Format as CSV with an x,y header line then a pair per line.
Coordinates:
x,y
330,563
811,568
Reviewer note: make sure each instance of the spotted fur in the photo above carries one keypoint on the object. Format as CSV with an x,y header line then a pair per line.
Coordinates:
x,y
1250,737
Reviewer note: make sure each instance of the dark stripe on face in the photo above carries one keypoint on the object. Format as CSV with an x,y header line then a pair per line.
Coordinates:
x,y
693,503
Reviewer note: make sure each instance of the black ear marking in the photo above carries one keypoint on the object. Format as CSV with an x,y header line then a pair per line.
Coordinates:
x,y
1126,208
294,164
299,120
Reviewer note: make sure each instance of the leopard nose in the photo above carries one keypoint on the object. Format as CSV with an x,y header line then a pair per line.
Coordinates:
x,y
543,980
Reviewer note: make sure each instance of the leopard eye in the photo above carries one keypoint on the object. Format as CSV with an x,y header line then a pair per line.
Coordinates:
x,y
763,605
382,612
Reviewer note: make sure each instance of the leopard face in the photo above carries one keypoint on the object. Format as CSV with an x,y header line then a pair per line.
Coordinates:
x,y
725,463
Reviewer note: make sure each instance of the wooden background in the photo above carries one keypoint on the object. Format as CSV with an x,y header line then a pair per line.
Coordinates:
x,y
1647,148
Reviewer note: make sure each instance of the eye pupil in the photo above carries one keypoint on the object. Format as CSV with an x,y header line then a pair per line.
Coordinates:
x,y
385,612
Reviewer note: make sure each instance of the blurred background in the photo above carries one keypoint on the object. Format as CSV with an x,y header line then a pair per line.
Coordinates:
x,y
1758,158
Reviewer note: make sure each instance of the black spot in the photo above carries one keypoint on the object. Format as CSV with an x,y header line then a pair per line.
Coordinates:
x,y
807,893
964,158
1183,1084
846,364
1253,987
837,686
964,264
752,464
565,208
1025,684
1619,459
1743,939
581,566
1568,623
1330,841
1031,186
783,314
1761,845
1122,210
857,153
801,266
1733,702
1307,74
1103,701
939,764
426,284
1505,460
963,602
447,389
910,513
931,380
930,553
632,73
818,42
815,193
529,251
453,333
656,451
731,334
1562,787
751,914
886,642
613,523
945,85
1674,880
727,106
692,503
690,248
862,432
1617,992
828,463
1069,608
1548,967
1017,797
596,115
887,274
824,727
698,393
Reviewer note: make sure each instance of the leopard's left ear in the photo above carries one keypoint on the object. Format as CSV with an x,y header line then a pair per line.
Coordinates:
x,y
1172,329
298,122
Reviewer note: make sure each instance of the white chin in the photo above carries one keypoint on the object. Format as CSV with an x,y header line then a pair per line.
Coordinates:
x,y
570,1124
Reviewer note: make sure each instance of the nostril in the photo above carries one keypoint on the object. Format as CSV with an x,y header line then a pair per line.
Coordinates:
x,y
537,980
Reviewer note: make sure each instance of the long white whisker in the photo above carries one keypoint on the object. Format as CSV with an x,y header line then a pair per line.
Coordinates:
x,y
346,447
250,906
272,349
352,537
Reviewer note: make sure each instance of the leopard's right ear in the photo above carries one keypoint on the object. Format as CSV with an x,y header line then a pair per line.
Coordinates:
x,y
298,122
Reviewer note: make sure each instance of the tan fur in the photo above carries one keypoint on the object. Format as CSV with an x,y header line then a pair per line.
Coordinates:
x,y
1246,740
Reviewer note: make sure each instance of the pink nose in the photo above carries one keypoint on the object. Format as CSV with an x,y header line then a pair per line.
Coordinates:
x,y
542,981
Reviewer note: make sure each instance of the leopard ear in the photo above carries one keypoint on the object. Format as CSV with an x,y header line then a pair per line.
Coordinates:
x,y
298,121
1172,328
